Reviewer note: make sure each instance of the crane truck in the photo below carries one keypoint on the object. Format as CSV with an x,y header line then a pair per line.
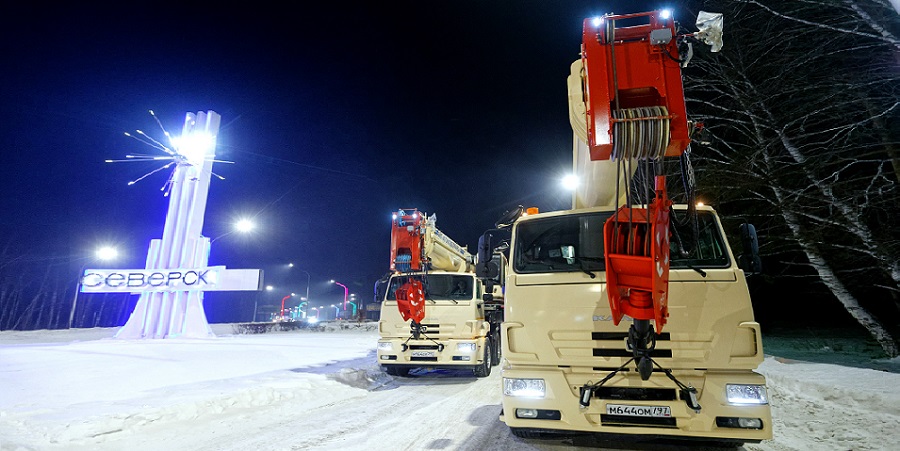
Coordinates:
x,y
436,313
628,314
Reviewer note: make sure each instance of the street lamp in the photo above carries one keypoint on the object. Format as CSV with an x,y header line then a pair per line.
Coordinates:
x,y
291,265
282,304
242,225
346,291
359,303
256,302
103,253
336,310
300,305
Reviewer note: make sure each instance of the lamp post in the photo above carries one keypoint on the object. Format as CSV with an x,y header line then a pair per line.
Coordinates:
x,y
282,304
346,292
336,310
359,304
299,309
256,302
291,265
103,253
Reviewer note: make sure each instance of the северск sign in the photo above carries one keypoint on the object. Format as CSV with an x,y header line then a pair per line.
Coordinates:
x,y
213,278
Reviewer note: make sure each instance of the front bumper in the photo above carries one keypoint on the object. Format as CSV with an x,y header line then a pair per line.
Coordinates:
x,y
428,353
559,408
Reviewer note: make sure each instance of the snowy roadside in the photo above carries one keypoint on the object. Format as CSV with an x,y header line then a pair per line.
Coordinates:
x,y
62,389
819,406
82,389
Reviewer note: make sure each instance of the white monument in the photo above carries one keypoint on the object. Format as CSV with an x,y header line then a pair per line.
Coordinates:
x,y
172,285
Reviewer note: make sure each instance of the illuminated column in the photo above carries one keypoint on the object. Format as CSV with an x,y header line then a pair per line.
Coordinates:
x,y
163,314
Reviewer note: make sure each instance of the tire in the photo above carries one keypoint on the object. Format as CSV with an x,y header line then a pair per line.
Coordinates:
x,y
495,355
484,369
399,371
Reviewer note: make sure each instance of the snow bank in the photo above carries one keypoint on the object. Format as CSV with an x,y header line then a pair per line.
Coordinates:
x,y
827,407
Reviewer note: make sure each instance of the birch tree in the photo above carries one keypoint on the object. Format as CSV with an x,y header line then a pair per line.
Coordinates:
x,y
803,99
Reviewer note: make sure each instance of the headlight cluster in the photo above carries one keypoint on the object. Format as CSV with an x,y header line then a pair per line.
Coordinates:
x,y
524,388
746,394
385,346
466,347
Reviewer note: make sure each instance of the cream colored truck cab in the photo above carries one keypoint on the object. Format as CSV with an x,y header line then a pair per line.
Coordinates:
x,y
558,337
462,311
460,329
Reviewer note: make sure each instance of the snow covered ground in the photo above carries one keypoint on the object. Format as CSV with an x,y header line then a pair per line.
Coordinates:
x,y
299,390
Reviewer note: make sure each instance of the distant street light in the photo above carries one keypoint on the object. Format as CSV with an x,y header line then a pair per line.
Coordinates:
x,y
336,310
256,301
291,265
346,292
300,305
359,304
104,253
242,226
282,304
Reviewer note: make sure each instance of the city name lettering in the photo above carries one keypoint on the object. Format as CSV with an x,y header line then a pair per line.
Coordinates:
x,y
178,278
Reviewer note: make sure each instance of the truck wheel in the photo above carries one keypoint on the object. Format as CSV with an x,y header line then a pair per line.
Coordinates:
x,y
484,369
399,371
495,356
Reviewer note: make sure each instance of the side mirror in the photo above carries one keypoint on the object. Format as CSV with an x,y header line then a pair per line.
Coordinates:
x,y
381,288
510,217
485,268
749,260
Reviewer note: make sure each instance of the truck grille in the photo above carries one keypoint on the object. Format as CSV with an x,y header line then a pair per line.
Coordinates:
x,y
431,330
614,346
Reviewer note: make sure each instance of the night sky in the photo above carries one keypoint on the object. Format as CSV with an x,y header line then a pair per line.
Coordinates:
x,y
334,117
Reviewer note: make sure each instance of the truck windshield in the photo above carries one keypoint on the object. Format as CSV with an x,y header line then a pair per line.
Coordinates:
x,y
574,243
561,244
438,286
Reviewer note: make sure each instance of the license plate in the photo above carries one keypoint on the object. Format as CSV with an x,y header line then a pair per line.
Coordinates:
x,y
639,411
422,353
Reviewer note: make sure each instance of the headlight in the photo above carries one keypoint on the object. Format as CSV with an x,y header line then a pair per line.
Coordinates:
x,y
466,347
746,394
524,388
385,346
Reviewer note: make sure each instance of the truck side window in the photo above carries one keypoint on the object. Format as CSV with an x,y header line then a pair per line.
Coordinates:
x,y
709,250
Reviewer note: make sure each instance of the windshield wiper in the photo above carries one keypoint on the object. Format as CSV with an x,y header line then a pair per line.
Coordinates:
x,y
582,262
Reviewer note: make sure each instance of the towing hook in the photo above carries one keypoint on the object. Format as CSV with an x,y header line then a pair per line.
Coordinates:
x,y
645,367
404,347
440,347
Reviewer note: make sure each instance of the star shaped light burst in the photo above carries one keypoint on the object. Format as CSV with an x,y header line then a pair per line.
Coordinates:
x,y
191,150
